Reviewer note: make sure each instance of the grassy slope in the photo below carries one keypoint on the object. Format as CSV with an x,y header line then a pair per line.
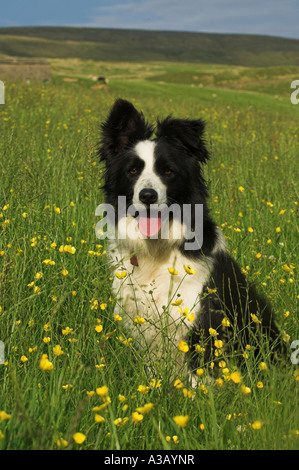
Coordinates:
x,y
48,138
123,45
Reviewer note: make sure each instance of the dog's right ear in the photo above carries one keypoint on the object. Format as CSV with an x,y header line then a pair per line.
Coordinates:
x,y
123,127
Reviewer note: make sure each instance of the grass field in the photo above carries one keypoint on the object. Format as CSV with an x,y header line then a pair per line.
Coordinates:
x,y
122,45
55,284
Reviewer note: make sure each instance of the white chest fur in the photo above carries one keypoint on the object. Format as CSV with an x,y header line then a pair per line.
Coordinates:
x,y
145,296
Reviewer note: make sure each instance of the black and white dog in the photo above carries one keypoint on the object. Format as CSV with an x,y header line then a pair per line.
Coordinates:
x,y
178,290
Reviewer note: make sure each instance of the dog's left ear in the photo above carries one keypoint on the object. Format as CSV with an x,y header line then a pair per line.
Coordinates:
x,y
123,127
187,134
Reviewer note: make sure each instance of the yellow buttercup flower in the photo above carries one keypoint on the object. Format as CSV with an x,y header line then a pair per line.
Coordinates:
x,y
178,384
137,417
139,320
79,438
45,364
189,270
245,390
67,331
121,275
181,421
145,409
61,442
143,389
99,419
57,350
236,377
256,425
183,346
255,318
4,416
177,302
185,312
213,332
172,271
102,391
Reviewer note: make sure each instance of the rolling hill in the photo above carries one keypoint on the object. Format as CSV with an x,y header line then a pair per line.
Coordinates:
x,y
141,46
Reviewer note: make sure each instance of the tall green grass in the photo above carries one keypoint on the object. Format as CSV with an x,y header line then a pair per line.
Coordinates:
x,y
50,186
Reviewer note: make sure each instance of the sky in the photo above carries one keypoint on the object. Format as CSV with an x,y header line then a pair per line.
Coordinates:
x,y
269,17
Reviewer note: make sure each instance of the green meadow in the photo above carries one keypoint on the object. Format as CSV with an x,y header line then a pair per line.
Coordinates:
x,y
71,377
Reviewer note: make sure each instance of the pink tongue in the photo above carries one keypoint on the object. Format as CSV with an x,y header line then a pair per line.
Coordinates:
x,y
149,226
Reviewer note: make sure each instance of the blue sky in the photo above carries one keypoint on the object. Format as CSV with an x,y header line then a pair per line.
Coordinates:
x,y
270,17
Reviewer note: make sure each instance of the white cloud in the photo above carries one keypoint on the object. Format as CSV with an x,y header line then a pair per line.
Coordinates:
x,y
247,16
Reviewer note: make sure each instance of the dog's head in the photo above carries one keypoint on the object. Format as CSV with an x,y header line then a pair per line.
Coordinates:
x,y
152,172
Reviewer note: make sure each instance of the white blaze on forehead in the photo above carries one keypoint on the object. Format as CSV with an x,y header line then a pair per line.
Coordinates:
x,y
146,151
148,177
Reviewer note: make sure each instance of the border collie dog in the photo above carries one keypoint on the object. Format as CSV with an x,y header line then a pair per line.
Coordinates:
x,y
177,290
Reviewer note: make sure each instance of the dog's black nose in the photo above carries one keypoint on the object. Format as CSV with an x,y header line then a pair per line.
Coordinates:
x,y
148,196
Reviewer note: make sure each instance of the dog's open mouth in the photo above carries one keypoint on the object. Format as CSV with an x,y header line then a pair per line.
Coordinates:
x,y
149,223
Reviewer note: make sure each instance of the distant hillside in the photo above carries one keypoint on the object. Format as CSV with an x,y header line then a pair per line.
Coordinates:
x,y
140,46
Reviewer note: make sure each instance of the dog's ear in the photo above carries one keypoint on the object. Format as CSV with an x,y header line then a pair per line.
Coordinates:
x,y
187,134
123,127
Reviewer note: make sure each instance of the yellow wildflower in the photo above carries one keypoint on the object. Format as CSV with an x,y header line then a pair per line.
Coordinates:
x,y
172,271
57,350
178,383
183,346
143,389
213,332
189,270
181,421
61,442
45,364
177,302
4,416
245,390
139,320
79,438
67,331
257,425
121,275
99,419
236,377
102,391
145,409
255,318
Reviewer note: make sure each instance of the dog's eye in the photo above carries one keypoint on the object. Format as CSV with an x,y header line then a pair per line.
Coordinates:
x,y
168,172
133,171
